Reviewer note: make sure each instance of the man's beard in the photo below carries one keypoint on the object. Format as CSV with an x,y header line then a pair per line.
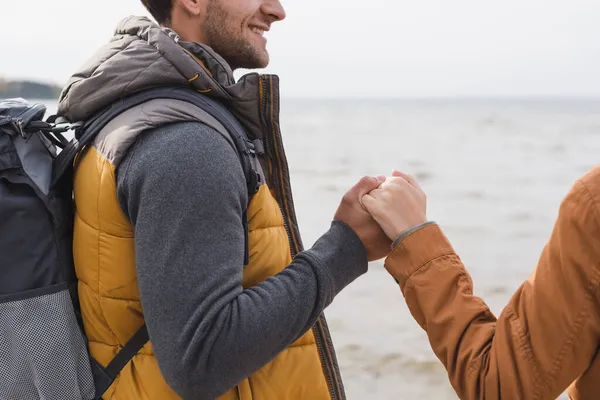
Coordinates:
x,y
225,38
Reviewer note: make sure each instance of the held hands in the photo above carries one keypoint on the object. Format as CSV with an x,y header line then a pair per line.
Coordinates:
x,y
397,204
380,209
352,213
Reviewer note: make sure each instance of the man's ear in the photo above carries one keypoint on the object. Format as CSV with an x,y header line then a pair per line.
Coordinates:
x,y
192,7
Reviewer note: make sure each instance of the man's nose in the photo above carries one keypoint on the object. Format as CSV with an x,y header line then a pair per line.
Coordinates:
x,y
274,9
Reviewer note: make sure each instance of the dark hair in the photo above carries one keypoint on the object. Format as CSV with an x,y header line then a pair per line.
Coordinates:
x,y
160,10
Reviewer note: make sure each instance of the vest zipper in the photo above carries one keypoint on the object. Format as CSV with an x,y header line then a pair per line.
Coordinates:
x,y
266,131
277,179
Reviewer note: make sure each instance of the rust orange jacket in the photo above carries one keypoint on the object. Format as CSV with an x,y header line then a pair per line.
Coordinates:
x,y
548,336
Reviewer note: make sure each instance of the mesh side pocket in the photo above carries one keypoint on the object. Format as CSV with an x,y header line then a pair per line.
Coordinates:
x,y
43,354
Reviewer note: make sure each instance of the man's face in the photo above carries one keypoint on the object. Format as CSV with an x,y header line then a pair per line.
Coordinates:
x,y
235,30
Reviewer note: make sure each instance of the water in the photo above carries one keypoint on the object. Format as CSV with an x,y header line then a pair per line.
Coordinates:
x,y
495,173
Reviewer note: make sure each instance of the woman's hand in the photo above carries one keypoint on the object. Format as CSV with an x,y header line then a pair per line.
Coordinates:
x,y
397,205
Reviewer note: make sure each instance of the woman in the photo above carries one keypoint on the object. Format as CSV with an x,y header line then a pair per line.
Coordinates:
x,y
548,336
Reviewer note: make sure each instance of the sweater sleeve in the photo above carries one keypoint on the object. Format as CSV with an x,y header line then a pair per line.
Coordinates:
x,y
183,189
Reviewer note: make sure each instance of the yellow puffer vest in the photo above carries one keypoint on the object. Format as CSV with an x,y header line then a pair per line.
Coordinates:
x,y
143,55
110,301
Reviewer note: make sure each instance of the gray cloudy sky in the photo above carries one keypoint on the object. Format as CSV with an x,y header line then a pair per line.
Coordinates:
x,y
352,48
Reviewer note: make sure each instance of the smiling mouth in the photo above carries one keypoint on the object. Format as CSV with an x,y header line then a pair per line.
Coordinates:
x,y
258,31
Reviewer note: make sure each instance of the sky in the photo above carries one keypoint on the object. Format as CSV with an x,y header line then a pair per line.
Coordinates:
x,y
351,48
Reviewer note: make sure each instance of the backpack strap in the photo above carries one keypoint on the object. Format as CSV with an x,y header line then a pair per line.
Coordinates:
x,y
104,377
247,149
127,352
85,133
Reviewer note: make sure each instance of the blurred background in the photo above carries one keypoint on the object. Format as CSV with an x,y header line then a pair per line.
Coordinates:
x,y
493,106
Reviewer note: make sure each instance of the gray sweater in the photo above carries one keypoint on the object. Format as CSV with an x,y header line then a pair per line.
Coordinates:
x,y
183,189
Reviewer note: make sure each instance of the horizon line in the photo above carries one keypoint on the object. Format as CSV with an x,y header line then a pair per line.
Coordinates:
x,y
399,97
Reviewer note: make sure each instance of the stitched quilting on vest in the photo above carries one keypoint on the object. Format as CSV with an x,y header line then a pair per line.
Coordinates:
x,y
105,264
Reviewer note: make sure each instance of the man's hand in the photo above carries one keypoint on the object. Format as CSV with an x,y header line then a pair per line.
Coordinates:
x,y
352,213
397,205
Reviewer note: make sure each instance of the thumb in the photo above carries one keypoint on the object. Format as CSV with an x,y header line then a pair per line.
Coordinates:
x,y
367,184
369,203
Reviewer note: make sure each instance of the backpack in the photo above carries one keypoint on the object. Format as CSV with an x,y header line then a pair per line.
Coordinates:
x,y
43,348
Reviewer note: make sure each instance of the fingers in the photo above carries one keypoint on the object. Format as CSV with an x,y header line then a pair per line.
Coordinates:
x,y
373,199
371,185
407,178
367,184
368,202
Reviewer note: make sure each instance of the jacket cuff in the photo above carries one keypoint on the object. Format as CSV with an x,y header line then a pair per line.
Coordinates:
x,y
416,250
410,231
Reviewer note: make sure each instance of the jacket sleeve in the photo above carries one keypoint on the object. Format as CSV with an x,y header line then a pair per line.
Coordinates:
x,y
183,188
548,333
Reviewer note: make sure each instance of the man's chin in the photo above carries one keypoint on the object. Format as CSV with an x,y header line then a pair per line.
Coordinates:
x,y
254,64
262,64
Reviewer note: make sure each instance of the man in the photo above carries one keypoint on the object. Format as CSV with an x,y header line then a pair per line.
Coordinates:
x,y
162,205
548,336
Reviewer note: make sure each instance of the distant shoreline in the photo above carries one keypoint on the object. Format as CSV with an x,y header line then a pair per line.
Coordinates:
x,y
37,90
28,89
